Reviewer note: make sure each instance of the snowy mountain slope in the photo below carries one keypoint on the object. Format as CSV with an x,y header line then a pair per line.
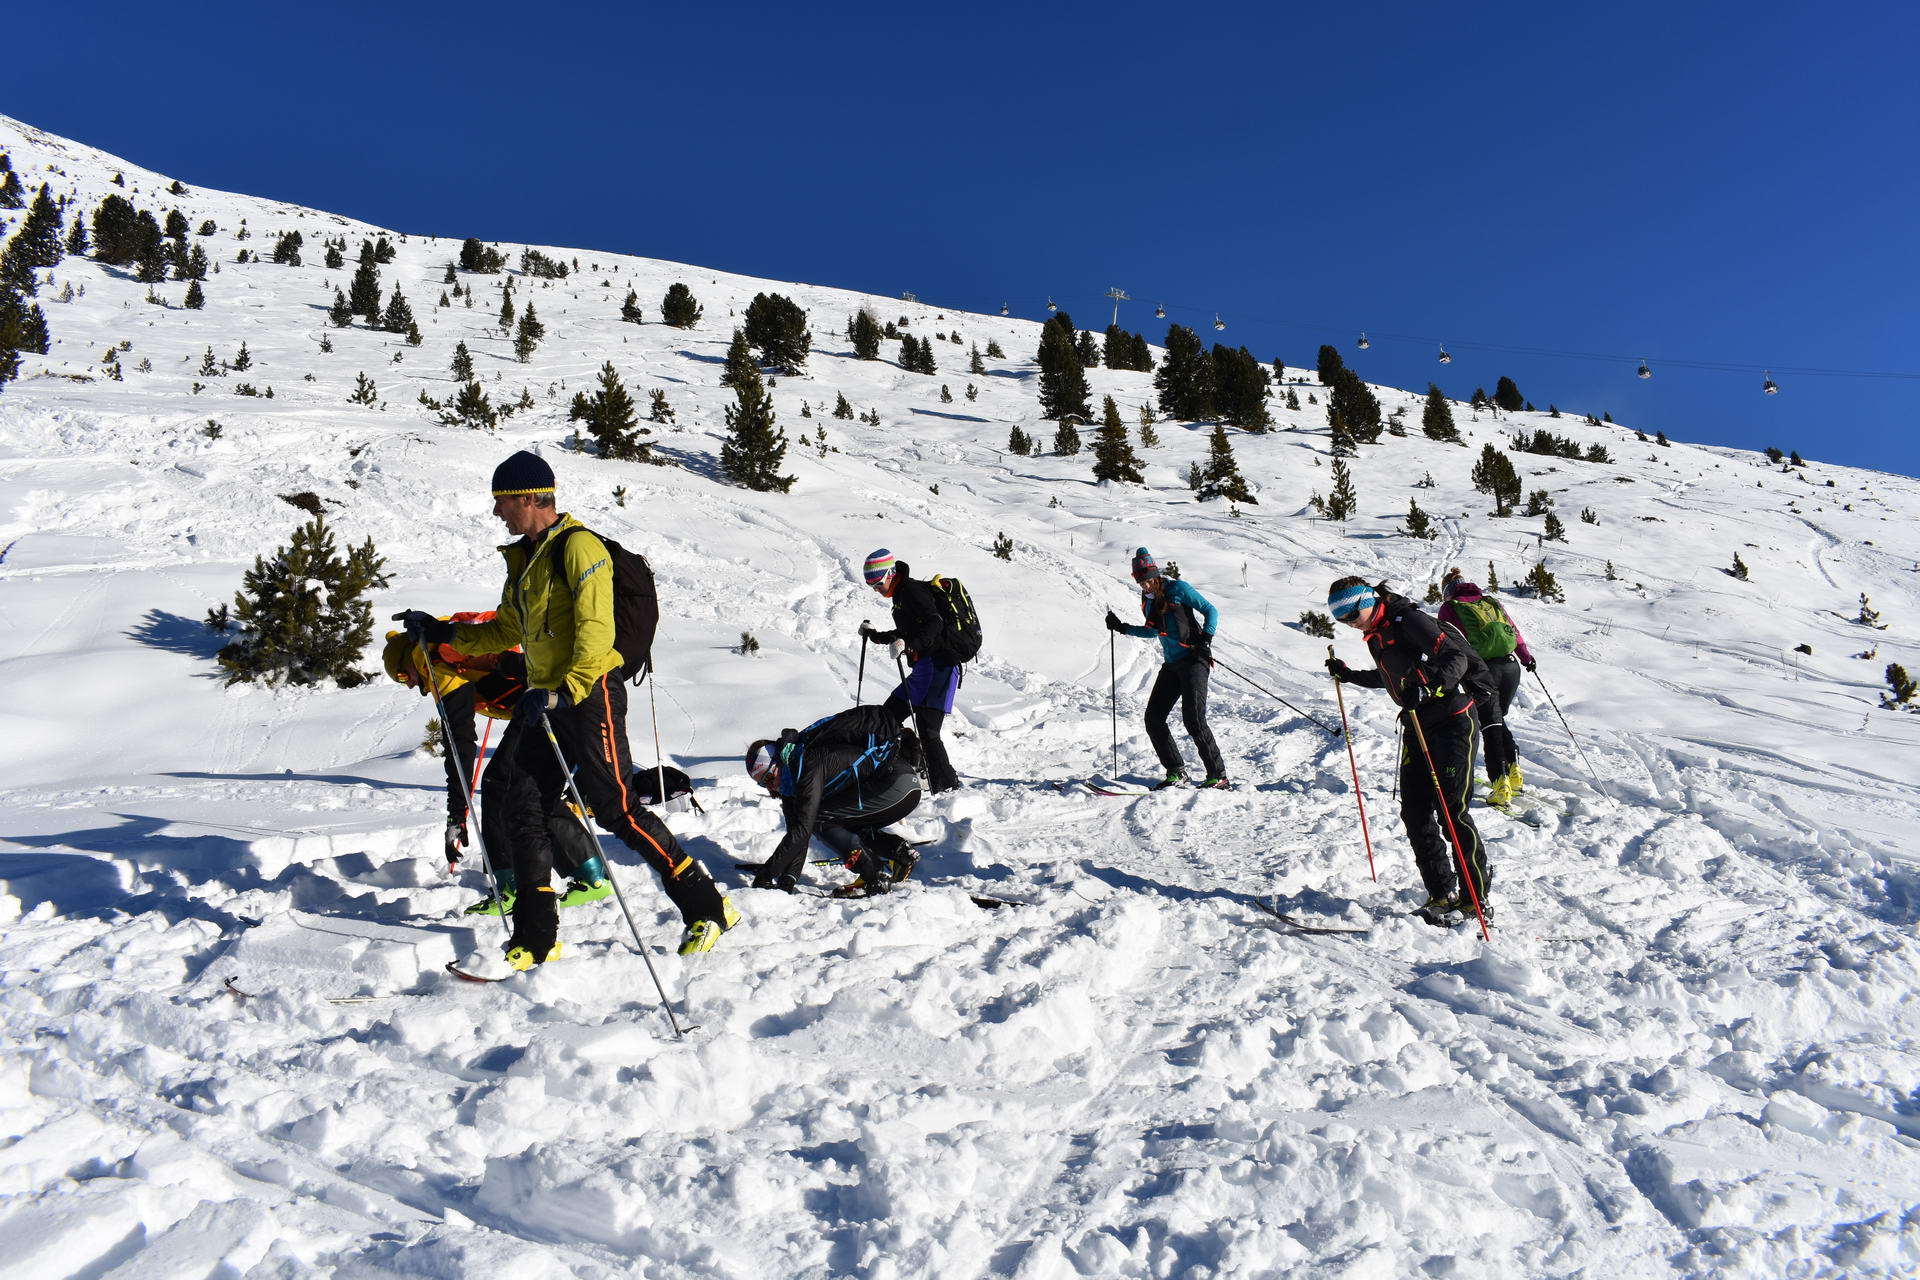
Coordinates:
x,y
1688,1049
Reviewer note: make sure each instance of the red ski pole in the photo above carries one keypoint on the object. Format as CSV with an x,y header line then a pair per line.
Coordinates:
x,y
1354,765
1440,798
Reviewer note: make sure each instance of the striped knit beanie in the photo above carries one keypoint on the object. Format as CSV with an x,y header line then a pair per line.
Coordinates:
x,y
878,566
1348,601
1143,565
522,473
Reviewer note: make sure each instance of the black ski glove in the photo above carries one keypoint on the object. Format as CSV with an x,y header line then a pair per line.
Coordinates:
x,y
1413,693
533,703
1113,623
1339,670
1529,663
1203,649
424,628
456,840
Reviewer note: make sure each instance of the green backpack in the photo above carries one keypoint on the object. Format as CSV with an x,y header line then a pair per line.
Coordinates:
x,y
1486,627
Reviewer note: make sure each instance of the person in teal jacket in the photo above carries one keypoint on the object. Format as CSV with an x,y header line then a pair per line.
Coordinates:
x,y
1184,622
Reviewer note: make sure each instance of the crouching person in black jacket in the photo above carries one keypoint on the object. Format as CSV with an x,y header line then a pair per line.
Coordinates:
x,y
842,780
1430,673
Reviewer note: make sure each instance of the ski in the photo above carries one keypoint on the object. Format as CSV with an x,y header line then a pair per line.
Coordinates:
x,y
453,967
1511,810
1302,926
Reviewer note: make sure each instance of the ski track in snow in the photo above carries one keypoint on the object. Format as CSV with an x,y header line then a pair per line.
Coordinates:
x,y
229,1045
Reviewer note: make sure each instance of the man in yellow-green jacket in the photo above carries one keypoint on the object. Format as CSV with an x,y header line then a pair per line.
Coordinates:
x,y
558,606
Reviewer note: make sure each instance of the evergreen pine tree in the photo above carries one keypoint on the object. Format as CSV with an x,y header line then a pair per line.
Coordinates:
x,y
302,615
36,245
755,445
1113,455
1018,442
1553,529
679,308
740,362
196,297
451,277
77,238
1419,525
611,419
363,294
1087,349
243,360
398,317
1066,441
506,307
528,336
1543,584
776,327
1345,499
1436,420
1240,389
12,195
974,364
1116,352
909,353
151,266
630,309
471,408
364,392
333,258
341,312
993,350
1149,438
1495,476
1142,354
841,409
195,267
659,410
1221,477
864,331
1329,363
116,237
1185,378
286,250
1353,402
1063,380
462,367
1507,395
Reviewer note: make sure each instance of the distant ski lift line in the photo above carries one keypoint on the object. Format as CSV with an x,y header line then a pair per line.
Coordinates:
x,y
1637,363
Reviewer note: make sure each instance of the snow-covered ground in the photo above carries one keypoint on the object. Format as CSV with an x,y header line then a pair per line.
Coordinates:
x,y
228,1046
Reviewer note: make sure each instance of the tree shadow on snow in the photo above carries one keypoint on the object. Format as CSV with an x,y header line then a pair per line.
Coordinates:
x,y
288,775
176,634
954,417
704,465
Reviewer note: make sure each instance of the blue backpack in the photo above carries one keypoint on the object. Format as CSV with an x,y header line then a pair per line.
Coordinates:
x,y
880,738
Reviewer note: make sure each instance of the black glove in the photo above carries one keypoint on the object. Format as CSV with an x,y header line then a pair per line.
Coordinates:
x,y
1413,693
533,703
456,840
1203,649
1528,663
424,628
867,632
1113,623
1339,670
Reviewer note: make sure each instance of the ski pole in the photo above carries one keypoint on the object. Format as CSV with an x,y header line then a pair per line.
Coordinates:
x,y
473,787
566,772
1322,725
1459,854
460,767
1399,750
859,689
1569,728
659,760
1354,765
1113,702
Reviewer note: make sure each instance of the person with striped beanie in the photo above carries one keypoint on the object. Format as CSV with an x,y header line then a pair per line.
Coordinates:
x,y
920,619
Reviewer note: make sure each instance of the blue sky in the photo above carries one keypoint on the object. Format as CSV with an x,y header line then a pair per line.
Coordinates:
x,y
1684,182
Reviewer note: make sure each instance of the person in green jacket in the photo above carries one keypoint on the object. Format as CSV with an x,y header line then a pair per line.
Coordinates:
x,y
557,605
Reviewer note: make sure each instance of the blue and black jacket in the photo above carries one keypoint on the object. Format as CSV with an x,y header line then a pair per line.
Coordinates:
x,y
1180,616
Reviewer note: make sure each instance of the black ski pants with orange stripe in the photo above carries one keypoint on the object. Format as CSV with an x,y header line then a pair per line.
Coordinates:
x,y
1453,735
593,738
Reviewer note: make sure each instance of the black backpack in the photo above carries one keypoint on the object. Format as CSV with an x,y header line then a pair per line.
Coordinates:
x,y
959,624
636,605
